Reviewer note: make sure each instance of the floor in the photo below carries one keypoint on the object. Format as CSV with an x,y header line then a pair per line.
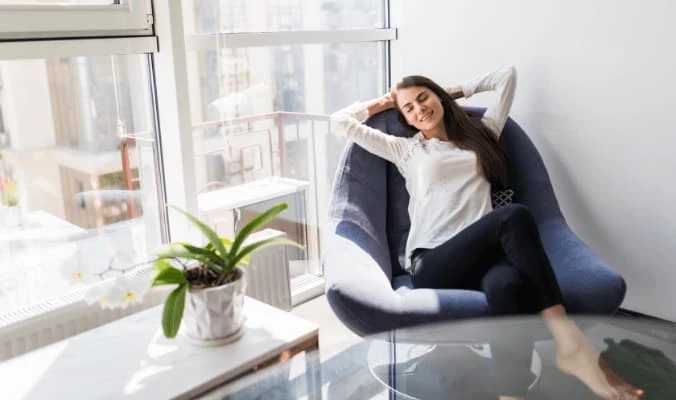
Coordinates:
x,y
334,337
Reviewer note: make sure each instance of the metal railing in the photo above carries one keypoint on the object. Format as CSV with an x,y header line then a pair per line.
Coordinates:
x,y
281,121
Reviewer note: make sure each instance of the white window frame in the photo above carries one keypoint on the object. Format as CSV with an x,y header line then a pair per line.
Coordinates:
x,y
132,18
73,48
270,39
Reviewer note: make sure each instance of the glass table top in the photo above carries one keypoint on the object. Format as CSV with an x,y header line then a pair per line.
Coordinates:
x,y
576,358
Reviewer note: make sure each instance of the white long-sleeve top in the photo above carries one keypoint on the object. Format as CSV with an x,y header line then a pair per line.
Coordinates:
x,y
447,191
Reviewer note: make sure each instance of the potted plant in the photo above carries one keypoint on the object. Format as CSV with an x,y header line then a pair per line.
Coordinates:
x,y
9,192
211,286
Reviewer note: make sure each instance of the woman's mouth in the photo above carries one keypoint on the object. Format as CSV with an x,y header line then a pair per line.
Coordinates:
x,y
425,117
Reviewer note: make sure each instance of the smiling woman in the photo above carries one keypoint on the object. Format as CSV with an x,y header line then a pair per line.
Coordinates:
x,y
431,110
456,239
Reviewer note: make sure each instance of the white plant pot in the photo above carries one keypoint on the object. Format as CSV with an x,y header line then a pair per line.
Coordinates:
x,y
215,315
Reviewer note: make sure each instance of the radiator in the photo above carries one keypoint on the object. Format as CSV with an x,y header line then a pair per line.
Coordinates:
x,y
268,277
52,321
267,281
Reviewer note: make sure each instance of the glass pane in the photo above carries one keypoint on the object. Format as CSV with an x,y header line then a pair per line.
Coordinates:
x,y
61,2
227,16
78,182
261,132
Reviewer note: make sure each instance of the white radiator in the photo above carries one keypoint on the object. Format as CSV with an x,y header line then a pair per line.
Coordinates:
x,y
268,277
58,319
267,280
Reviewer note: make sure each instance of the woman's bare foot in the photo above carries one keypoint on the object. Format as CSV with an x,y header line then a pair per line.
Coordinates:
x,y
578,357
618,382
585,363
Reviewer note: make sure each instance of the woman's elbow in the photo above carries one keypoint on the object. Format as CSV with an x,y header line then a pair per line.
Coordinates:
x,y
510,72
340,124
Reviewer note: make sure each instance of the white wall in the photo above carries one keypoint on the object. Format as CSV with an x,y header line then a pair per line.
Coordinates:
x,y
597,94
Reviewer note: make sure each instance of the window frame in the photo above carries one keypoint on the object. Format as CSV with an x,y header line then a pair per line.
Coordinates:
x,y
208,41
24,50
23,22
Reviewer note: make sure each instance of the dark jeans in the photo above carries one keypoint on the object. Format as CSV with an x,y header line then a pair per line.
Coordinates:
x,y
501,254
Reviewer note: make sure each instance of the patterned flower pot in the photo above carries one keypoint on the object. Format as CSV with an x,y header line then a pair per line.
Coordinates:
x,y
215,315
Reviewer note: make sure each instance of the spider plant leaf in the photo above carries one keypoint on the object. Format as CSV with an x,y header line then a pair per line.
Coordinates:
x,y
175,250
173,311
227,243
246,259
166,274
247,250
208,232
209,253
254,224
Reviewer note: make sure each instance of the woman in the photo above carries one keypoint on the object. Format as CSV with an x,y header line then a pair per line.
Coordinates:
x,y
465,244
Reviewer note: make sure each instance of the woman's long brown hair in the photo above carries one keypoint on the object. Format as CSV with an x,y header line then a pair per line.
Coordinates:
x,y
466,131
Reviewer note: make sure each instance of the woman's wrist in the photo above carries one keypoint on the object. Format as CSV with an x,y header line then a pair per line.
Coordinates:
x,y
456,92
380,104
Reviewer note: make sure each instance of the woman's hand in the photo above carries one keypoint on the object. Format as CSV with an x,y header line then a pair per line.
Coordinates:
x,y
455,92
385,102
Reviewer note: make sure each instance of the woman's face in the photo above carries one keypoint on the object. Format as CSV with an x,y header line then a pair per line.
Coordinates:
x,y
421,107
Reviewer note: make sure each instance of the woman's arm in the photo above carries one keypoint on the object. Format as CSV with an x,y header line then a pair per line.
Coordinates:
x,y
348,123
380,104
503,82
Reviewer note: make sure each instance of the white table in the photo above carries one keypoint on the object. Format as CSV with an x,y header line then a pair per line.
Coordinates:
x,y
131,359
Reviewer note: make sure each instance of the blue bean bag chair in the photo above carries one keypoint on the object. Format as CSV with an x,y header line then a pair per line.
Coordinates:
x,y
363,257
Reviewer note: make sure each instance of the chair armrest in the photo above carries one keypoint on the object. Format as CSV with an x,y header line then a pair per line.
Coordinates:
x,y
588,284
357,288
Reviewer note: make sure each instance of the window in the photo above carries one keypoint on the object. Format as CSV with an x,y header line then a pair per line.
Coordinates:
x,y
235,16
263,78
78,178
24,19
99,130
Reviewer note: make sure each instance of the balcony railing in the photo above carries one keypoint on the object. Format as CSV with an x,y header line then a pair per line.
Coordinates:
x,y
238,135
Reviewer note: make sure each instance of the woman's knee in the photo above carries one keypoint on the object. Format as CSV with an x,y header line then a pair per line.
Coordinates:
x,y
508,291
502,286
518,213
502,281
